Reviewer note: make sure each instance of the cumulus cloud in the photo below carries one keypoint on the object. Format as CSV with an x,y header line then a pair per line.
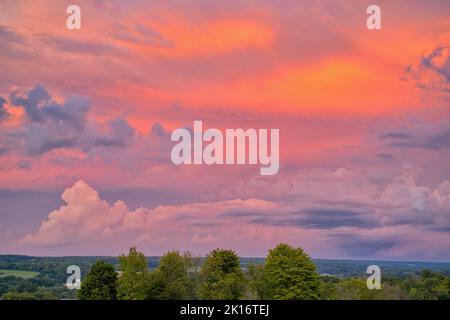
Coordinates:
x,y
85,216
327,199
389,218
118,134
52,125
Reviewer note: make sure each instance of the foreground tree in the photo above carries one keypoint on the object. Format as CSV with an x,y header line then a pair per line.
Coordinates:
x,y
289,274
100,283
170,281
221,276
135,280
173,273
258,287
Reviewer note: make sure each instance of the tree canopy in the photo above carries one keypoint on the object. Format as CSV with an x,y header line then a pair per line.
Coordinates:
x,y
221,276
134,280
100,283
289,274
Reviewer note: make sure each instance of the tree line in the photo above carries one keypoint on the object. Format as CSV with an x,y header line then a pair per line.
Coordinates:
x,y
288,273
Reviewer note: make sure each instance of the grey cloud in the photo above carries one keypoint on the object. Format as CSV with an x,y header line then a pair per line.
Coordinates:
x,y
79,46
325,218
432,72
151,36
72,113
120,134
313,218
38,140
431,136
8,35
359,246
442,68
40,108
237,214
24,164
51,125
385,156
158,130
31,102
396,135
3,112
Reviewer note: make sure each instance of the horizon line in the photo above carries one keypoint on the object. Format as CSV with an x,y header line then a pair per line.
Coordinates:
x,y
245,257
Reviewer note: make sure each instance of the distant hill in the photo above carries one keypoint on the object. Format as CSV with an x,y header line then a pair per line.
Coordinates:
x,y
339,268
347,268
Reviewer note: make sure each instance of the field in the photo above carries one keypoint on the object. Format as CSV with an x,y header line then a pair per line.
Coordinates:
x,y
18,274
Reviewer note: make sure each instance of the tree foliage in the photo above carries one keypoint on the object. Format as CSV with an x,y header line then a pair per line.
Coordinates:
x,y
288,274
221,276
173,274
40,294
135,281
100,283
429,286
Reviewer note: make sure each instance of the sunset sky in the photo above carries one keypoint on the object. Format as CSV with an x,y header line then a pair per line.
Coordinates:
x,y
364,118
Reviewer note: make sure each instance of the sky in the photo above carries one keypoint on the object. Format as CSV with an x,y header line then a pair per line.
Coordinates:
x,y
86,118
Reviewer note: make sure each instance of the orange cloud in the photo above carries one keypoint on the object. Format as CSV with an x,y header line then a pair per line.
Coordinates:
x,y
179,38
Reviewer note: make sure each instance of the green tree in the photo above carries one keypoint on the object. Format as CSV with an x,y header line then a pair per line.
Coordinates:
x,y
258,287
13,295
100,283
173,273
429,286
356,289
194,264
221,276
289,274
135,281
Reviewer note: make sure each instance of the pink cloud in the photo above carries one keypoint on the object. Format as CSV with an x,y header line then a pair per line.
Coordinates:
x,y
367,220
86,217
83,217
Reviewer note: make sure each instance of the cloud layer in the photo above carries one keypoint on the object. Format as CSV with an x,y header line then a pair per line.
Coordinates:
x,y
383,225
